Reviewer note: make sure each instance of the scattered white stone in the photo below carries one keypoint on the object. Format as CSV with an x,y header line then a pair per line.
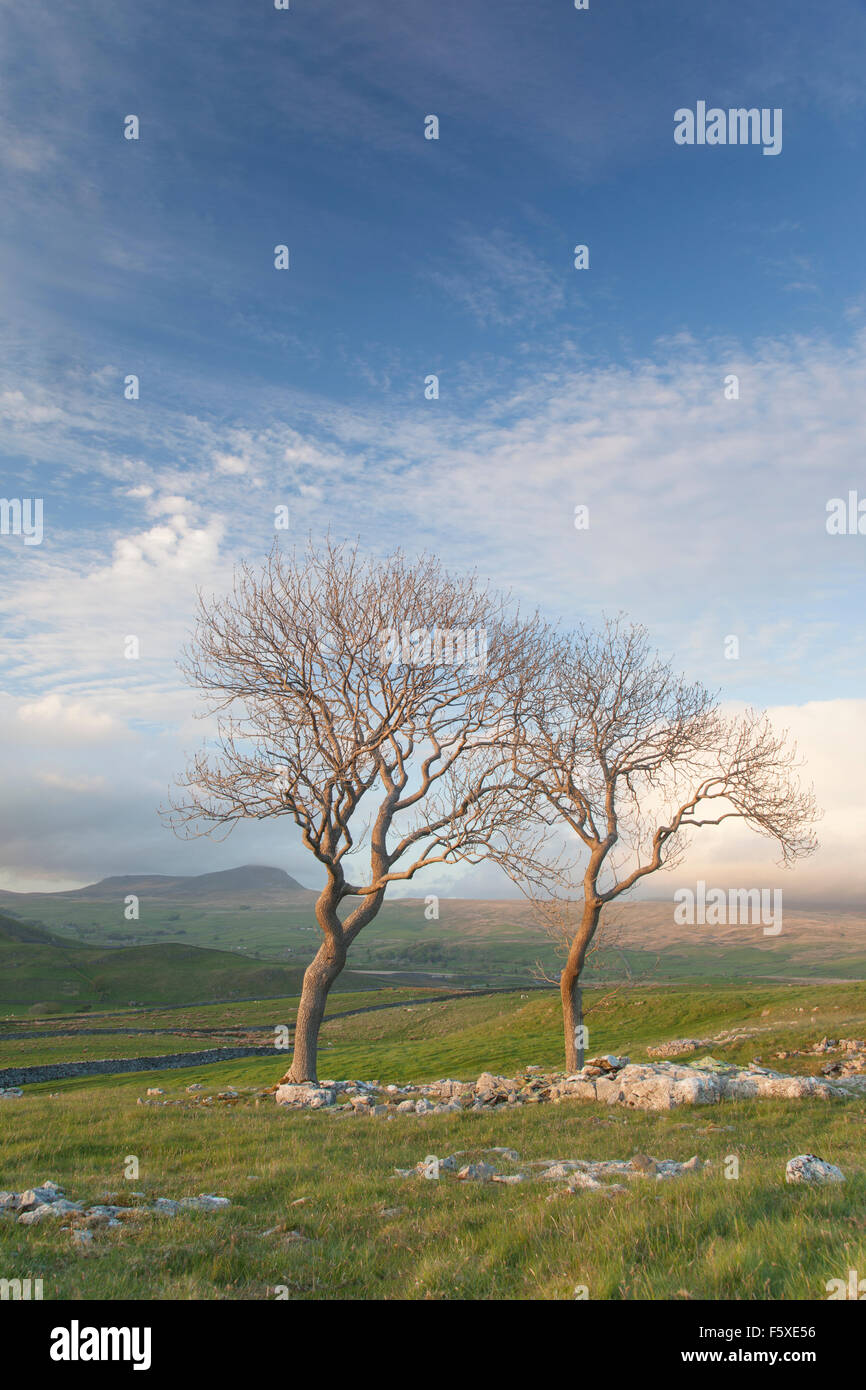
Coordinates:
x,y
810,1169
487,1082
205,1201
579,1179
675,1048
35,1214
477,1172
166,1206
561,1170
37,1196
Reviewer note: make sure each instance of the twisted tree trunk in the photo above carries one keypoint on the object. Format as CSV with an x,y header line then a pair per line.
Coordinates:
x,y
569,985
318,978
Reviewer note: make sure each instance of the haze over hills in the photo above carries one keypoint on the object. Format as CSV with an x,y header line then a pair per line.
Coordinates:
x,y
253,885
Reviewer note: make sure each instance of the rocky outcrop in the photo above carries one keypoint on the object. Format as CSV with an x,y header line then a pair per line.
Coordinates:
x,y
306,1096
667,1085
611,1080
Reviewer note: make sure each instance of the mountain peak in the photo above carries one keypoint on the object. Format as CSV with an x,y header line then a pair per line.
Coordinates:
x,y
248,885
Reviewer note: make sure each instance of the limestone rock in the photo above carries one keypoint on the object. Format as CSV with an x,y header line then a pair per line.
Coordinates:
x,y
808,1168
305,1096
477,1172
47,1192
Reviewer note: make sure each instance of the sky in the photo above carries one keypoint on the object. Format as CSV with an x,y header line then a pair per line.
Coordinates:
x,y
559,387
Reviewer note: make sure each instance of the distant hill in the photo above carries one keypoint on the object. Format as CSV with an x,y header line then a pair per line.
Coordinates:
x,y
14,929
252,885
37,973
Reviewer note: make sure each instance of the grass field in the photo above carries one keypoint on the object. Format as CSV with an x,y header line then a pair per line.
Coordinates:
x,y
365,1233
422,1039
701,1237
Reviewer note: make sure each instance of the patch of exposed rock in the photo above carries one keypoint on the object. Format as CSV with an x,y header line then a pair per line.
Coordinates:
x,y
49,1202
851,1064
572,1174
660,1085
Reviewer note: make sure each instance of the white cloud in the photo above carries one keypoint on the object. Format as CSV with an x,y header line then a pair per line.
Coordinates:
x,y
55,718
232,464
78,785
831,741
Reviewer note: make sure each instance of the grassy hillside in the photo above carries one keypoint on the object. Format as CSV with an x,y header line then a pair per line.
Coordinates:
x,y
317,1207
15,929
48,972
419,1038
47,978
481,943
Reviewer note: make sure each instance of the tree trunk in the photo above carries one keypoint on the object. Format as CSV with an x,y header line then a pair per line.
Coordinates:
x,y
569,986
318,978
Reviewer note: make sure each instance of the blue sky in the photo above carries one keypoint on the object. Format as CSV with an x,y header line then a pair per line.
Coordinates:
x,y
409,257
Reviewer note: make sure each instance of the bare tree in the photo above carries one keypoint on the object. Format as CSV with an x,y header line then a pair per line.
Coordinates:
x,y
559,915
632,759
372,703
